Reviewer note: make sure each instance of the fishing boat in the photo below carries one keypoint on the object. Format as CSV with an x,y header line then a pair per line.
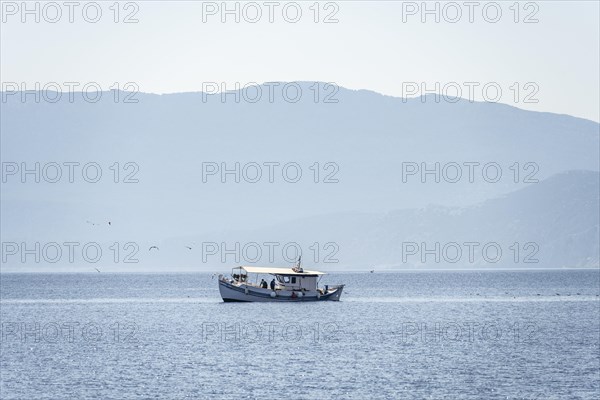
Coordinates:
x,y
287,284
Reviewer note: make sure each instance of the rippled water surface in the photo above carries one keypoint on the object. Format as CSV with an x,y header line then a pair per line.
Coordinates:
x,y
426,334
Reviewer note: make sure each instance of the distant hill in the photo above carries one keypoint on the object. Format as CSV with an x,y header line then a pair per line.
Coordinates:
x,y
555,223
367,137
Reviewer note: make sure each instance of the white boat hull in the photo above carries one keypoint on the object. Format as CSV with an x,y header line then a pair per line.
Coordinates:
x,y
247,293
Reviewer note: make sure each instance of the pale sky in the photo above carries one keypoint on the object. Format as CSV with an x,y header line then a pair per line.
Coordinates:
x,y
374,45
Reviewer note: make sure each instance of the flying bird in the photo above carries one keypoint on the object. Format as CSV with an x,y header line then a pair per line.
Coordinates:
x,y
97,269
188,247
153,247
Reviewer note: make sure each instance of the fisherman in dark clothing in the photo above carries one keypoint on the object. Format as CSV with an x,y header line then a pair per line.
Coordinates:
x,y
273,284
263,284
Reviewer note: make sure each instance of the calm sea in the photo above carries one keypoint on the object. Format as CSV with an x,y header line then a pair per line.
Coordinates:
x,y
405,335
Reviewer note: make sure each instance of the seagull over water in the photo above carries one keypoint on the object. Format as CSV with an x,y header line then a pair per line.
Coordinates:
x,y
153,247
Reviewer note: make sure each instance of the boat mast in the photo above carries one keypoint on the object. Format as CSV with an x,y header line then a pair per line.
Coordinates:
x,y
298,268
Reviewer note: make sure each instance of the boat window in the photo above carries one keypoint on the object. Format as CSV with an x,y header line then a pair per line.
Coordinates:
x,y
286,279
293,279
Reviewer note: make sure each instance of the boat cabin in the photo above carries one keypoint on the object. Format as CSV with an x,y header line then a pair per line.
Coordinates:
x,y
292,279
296,282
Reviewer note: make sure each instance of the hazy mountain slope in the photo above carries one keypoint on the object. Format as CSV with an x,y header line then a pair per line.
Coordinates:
x,y
555,224
368,136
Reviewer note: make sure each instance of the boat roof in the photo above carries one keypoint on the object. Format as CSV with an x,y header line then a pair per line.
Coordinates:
x,y
279,271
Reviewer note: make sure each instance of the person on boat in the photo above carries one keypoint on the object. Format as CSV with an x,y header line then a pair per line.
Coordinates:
x,y
273,284
263,284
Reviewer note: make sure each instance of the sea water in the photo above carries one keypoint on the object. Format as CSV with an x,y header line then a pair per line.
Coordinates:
x,y
398,335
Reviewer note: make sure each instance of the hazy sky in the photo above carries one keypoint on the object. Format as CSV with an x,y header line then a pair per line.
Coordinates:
x,y
381,46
